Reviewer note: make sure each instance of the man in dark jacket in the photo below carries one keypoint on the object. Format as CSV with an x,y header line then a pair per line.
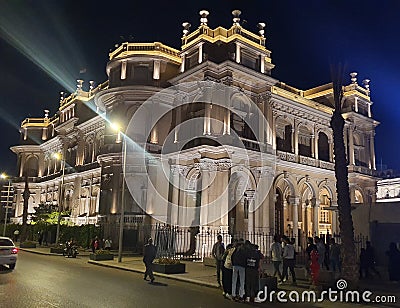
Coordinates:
x,y
218,253
149,254
239,261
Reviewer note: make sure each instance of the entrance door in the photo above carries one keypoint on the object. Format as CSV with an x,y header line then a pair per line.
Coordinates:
x,y
279,213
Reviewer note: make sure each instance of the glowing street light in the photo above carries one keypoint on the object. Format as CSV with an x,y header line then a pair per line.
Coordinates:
x,y
6,177
121,137
60,157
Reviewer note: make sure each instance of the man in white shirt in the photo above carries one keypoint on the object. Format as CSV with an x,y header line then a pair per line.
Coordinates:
x,y
276,257
288,259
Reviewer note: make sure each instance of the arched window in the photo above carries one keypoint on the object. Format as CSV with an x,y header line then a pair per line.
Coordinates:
x,y
31,167
304,141
323,147
283,136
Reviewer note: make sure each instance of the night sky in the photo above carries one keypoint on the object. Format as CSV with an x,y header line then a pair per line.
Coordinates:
x,y
44,45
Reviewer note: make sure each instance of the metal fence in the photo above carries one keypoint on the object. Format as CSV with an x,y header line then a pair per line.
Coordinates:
x,y
196,244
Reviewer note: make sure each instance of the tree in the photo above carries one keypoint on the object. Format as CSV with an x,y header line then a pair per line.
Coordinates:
x,y
349,267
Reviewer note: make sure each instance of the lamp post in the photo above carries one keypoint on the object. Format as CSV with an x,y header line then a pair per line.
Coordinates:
x,y
121,137
60,157
5,176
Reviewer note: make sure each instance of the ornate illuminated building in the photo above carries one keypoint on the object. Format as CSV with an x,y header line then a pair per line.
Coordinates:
x,y
302,199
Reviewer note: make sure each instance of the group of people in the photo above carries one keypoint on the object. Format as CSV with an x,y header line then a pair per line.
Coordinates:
x,y
329,254
283,251
240,265
100,244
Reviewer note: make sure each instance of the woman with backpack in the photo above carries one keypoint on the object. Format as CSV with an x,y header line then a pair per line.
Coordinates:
x,y
227,270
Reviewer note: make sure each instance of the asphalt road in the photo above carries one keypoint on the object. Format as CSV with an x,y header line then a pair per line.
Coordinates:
x,y
55,281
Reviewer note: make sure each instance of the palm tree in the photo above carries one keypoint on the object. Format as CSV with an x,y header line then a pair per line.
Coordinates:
x,y
349,267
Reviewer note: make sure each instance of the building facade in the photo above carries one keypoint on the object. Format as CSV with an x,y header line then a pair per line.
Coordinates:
x,y
301,202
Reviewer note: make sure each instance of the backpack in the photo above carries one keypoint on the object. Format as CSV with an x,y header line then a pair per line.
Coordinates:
x,y
228,260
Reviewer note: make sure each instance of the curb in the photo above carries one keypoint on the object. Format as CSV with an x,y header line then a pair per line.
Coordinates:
x,y
182,279
39,252
47,253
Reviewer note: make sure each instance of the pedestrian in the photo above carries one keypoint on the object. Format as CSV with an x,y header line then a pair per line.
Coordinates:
x,y
321,250
394,262
149,254
363,264
218,252
227,270
107,244
288,260
334,256
16,235
239,260
253,270
95,244
276,257
40,238
370,259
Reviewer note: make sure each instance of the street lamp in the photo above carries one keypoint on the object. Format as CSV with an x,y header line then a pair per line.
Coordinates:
x,y
5,176
121,137
60,157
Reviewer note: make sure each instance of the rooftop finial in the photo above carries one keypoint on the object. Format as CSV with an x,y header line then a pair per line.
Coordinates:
x,y
261,27
62,96
91,87
46,113
79,84
354,77
186,28
366,83
236,19
203,19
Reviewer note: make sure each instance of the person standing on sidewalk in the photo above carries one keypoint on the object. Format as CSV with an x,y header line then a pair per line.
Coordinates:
x,y
218,253
149,254
276,257
227,270
289,259
239,260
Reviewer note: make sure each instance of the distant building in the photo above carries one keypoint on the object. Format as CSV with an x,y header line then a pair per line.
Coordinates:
x,y
302,200
388,190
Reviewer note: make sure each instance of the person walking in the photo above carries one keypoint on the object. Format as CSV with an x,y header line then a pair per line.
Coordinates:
x,y
253,270
370,259
149,254
334,256
227,270
107,244
321,250
239,259
394,262
276,257
288,259
218,252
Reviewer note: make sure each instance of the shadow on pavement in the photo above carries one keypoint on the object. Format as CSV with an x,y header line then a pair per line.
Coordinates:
x,y
158,284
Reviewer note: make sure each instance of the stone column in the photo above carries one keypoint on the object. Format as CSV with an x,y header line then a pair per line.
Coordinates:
x,y
223,173
174,203
351,146
372,150
295,214
207,120
315,221
316,154
200,53
330,142
312,145
295,140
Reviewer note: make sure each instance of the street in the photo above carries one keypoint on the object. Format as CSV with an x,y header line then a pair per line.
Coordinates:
x,y
55,281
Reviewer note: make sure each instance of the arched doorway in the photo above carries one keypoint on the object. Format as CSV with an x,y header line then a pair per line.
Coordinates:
x,y
279,218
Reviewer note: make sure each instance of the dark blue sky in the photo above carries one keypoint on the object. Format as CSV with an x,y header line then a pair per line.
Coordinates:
x,y
44,45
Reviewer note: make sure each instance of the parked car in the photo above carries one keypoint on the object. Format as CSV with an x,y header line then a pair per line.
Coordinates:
x,y
8,252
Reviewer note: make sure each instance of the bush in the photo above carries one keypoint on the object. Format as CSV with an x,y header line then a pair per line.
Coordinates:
x,y
167,261
102,252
